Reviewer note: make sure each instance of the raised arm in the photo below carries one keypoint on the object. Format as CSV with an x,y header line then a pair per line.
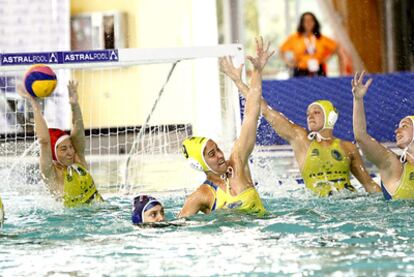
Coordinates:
x,y
384,159
43,137
285,128
247,139
77,133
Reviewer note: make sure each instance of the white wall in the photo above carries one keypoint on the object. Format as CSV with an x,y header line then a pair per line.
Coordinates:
x,y
37,26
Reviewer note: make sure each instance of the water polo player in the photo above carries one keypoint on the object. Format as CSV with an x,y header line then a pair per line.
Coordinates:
x,y
147,209
229,183
397,173
62,156
325,162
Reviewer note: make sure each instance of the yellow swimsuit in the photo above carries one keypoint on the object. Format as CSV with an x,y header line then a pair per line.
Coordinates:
x,y
248,200
405,189
79,187
326,169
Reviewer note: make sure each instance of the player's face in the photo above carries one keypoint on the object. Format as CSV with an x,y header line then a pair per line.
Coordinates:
x,y
315,118
214,157
308,23
404,133
65,152
155,214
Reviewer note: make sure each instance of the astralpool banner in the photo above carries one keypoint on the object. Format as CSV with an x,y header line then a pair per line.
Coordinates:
x,y
61,57
388,100
13,62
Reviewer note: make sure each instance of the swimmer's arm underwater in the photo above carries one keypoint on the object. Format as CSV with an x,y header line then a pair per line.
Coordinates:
x,y
42,133
77,133
383,158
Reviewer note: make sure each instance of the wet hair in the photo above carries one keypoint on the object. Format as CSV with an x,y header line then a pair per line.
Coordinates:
x,y
316,29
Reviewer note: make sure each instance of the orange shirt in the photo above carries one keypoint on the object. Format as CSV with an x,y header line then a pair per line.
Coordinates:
x,y
297,44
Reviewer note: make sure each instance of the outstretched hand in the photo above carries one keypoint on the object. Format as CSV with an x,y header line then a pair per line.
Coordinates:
x,y
228,68
21,90
263,55
359,89
73,91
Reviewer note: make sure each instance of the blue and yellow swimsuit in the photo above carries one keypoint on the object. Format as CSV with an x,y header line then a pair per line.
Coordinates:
x,y
79,187
326,169
248,200
405,189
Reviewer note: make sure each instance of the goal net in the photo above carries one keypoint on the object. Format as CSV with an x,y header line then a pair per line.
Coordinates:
x,y
138,105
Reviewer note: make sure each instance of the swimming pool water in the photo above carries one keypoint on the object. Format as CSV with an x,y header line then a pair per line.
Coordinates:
x,y
301,236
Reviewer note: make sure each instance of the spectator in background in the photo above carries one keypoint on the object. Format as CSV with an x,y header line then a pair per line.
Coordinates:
x,y
307,50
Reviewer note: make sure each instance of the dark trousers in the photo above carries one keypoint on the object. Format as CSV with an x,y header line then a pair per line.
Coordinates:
x,y
299,72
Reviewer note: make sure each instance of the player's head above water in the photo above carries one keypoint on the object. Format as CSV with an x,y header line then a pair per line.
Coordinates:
x,y
146,209
404,134
321,114
203,154
62,148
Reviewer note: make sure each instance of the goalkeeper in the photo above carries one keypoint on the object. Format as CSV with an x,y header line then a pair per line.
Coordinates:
x,y
62,156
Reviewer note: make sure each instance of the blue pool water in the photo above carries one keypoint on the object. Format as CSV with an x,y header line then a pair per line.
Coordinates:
x,y
301,236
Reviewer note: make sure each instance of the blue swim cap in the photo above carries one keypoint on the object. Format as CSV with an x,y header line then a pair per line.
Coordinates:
x,y
141,204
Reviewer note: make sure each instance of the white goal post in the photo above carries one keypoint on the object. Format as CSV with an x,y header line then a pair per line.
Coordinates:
x,y
127,117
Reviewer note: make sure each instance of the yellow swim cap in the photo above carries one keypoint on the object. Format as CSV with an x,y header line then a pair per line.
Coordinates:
x,y
193,150
329,111
412,120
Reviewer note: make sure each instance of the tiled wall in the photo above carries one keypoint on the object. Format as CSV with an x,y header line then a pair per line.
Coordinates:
x,y
39,26
34,25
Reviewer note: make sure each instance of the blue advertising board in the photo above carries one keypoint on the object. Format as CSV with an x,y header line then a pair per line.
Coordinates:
x,y
62,57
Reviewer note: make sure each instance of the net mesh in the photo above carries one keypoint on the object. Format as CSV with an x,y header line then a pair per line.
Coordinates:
x,y
133,140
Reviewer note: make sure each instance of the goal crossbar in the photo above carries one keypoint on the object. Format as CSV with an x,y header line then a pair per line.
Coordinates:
x,y
113,57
